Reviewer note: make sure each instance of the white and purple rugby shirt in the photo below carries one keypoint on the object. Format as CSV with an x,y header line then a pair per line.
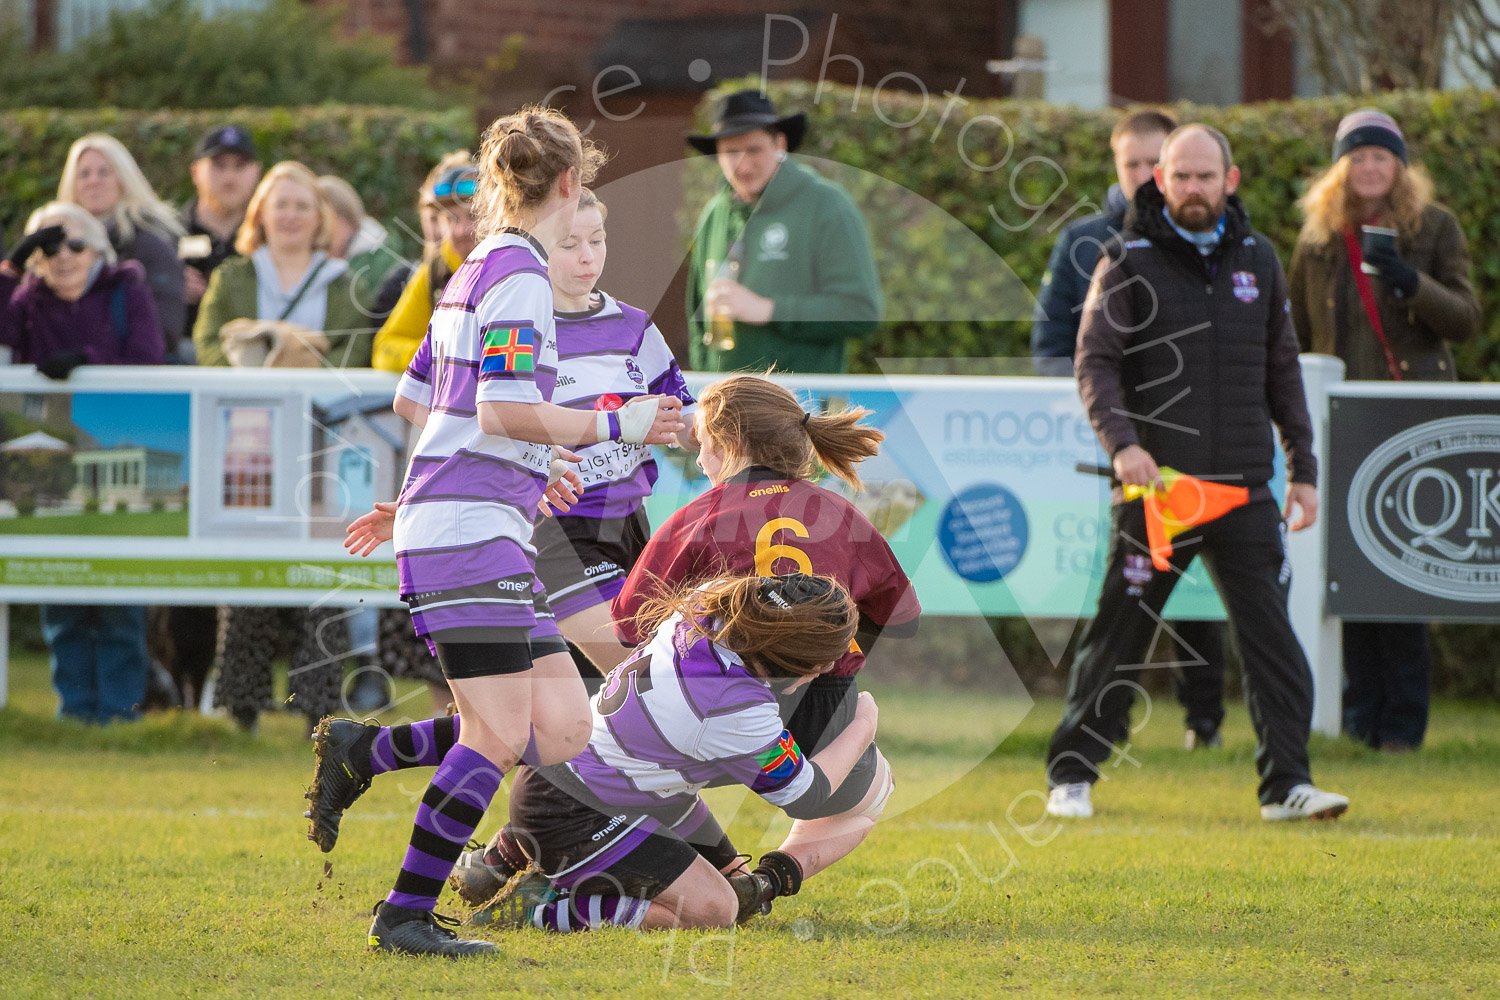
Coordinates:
x,y
679,713
463,527
605,358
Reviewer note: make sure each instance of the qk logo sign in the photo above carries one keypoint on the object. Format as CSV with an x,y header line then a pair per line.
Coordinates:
x,y
1424,508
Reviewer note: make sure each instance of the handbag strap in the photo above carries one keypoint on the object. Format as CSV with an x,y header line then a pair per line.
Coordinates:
x,y
306,282
1367,297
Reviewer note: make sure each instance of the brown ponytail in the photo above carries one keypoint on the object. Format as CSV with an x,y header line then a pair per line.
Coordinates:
x,y
521,156
781,626
757,422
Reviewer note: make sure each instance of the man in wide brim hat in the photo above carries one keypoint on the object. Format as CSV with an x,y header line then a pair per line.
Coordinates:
x,y
746,111
779,250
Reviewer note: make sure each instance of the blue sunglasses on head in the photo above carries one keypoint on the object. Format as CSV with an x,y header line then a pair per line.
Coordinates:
x,y
459,182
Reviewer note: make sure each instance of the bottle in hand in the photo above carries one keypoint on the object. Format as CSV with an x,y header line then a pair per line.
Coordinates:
x,y
720,332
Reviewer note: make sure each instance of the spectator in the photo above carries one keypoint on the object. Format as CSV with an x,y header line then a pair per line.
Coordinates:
x,y
75,306
1395,327
285,278
285,274
360,241
1135,143
102,176
429,212
225,170
1188,323
402,334
448,236
793,276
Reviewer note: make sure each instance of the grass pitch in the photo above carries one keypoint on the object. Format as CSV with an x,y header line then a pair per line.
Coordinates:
x,y
168,859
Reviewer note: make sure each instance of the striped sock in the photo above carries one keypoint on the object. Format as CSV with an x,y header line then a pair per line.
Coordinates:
x,y
452,807
421,744
584,913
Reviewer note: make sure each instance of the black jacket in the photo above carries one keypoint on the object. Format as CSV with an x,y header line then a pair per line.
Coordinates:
x,y
220,250
157,254
1193,357
1059,303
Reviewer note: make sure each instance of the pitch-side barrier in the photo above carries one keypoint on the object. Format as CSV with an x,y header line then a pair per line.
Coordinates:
x,y
233,486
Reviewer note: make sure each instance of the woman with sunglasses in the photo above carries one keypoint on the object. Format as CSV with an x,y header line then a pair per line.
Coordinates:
x,y
75,306
395,279
399,337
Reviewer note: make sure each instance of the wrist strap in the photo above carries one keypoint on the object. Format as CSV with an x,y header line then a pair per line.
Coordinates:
x,y
607,425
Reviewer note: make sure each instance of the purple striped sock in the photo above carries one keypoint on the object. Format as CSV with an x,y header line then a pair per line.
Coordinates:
x,y
420,744
584,913
451,809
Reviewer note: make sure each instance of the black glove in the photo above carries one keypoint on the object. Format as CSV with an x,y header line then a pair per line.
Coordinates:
x,y
61,364
1400,276
46,239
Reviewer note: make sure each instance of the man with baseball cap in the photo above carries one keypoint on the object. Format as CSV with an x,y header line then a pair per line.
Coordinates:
x,y
781,270
225,170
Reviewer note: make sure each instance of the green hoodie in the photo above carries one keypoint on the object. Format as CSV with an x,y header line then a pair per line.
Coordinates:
x,y
805,247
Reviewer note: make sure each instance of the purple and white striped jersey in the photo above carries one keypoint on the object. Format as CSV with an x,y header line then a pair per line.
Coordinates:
x,y
606,357
680,712
463,527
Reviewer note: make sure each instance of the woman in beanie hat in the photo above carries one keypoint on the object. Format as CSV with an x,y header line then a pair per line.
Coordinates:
x,y
1391,319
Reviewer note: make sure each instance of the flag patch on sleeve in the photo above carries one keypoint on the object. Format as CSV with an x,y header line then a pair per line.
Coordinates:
x,y
780,761
508,347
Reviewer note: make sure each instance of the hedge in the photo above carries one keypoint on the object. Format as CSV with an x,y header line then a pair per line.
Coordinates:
x,y
384,152
989,188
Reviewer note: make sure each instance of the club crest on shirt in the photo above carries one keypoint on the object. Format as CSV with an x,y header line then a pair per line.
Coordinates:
x,y
773,242
634,371
1137,572
1244,286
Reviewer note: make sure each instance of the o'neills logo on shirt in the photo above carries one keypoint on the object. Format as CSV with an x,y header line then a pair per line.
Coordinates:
x,y
766,491
610,827
515,586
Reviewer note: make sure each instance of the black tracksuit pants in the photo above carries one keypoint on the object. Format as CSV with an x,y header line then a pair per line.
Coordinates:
x,y
1246,558
1198,678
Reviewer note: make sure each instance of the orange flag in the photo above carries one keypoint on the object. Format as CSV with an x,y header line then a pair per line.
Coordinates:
x,y
1184,502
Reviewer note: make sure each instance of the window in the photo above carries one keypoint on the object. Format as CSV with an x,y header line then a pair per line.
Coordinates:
x,y
248,434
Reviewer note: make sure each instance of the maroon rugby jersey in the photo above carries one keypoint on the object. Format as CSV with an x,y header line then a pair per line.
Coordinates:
x,y
758,522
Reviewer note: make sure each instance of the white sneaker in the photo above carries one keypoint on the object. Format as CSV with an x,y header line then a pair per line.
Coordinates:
x,y
1070,801
1306,802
